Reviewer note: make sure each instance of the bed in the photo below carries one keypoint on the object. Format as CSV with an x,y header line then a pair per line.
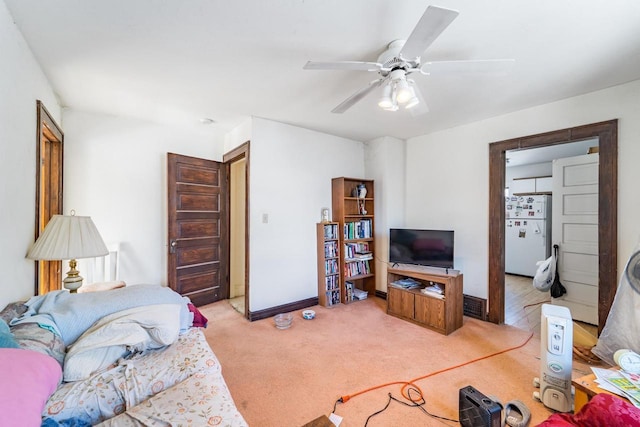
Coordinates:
x,y
112,358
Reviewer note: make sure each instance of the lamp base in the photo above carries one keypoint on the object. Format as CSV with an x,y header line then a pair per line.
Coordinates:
x,y
73,281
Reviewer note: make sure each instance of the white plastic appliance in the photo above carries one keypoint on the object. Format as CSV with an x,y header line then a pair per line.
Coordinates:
x,y
527,233
556,350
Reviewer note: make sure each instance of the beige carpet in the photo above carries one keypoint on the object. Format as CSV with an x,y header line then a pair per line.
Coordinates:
x,y
290,377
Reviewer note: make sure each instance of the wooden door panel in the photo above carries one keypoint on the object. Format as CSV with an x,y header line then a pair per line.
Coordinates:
x,y
198,255
199,202
199,228
197,174
196,213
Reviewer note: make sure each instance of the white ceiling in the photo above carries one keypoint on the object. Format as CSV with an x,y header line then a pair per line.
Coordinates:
x,y
182,60
548,154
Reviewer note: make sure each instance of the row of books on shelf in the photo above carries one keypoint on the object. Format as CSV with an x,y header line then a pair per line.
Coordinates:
x,y
333,297
332,282
357,251
352,293
358,229
357,268
331,231
331,249
331,266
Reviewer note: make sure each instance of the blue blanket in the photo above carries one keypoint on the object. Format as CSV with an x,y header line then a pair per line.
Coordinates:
x,y
69,315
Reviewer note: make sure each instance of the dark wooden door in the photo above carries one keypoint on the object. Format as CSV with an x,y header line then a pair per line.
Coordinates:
x,y
197,190
49,155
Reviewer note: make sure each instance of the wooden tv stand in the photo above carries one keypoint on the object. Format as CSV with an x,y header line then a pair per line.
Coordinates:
x,y
442,315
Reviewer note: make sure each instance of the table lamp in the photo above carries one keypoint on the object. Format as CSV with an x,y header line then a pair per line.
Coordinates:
x,y
69,237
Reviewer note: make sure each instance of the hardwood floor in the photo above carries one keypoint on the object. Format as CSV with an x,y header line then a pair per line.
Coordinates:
x,y
523,302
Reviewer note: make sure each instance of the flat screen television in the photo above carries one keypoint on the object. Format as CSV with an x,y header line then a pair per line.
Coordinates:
x,y
433,248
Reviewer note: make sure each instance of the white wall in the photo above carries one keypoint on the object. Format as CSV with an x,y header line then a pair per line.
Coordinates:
x,y
115,171
290,182
385,163
238,135
448,176
22,82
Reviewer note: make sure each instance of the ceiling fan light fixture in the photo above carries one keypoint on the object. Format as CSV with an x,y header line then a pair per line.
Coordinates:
x,y
404,92
385,101
413,101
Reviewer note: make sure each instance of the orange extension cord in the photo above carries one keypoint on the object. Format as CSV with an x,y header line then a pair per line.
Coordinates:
x,y
406,384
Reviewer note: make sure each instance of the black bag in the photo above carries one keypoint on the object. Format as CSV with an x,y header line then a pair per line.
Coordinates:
x,y
557,290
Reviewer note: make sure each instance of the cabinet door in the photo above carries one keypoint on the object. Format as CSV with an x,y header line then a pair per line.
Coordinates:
x,y
430,311
400,302
524,185
544,184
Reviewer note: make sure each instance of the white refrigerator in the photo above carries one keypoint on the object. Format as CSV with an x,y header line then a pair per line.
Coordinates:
x,y
527,233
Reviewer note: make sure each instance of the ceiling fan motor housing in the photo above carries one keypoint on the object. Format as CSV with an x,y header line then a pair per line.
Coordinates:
x,y
391,60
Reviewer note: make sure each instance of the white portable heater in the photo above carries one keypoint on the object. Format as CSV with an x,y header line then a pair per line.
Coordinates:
x,y
556,350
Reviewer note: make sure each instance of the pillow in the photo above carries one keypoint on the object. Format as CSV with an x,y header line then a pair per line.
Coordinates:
x,y
6,337
102,286
13,310
27,379
30,336
602,410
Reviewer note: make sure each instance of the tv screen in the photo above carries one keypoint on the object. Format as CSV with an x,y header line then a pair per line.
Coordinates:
x,y
432,248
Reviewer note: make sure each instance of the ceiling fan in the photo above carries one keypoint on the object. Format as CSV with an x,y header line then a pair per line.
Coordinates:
x,y
402,58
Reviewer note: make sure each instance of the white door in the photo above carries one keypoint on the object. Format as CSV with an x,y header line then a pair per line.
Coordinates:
x,y
575,230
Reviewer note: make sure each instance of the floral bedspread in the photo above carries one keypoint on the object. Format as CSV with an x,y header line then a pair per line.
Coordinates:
x,y
203,399
188,363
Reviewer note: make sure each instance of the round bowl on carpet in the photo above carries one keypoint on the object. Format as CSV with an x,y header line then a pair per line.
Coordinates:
x,y
283,320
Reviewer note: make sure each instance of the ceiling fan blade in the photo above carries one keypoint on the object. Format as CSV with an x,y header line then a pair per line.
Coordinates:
x,y
349,102
422,107
433,22
487,66
343,65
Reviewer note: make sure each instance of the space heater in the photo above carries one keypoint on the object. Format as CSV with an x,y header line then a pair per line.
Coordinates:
x,y
477,410
556,352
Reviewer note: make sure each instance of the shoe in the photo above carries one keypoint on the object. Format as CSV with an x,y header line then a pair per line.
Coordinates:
x,y
516,414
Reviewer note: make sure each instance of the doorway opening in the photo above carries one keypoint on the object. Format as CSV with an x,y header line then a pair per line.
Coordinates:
x,y
237,163
607,134
49,162
528,227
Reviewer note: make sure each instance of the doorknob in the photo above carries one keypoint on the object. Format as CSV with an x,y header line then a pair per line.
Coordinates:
x,y
172,246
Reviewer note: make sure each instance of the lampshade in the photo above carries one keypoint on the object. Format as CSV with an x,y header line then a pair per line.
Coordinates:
x,y
404,92
68,237
385,101
413,101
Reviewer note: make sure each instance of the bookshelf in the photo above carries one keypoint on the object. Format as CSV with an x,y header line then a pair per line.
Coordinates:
x,y
328,241
353,209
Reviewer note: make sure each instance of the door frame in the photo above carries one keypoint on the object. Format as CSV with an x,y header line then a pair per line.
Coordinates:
x,y
607,134
48,186
239,153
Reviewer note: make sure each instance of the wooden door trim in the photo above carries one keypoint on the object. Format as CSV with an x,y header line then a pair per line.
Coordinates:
x,y
46,127
607,134
238,153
